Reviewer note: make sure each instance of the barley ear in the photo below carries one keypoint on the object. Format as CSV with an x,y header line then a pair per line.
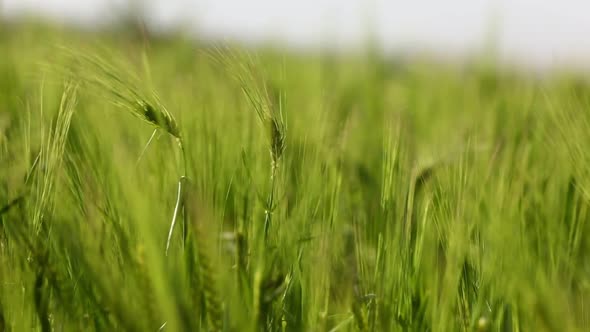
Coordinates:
x,y
206,247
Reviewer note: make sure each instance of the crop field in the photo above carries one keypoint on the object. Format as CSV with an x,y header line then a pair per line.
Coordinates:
x,y
162,184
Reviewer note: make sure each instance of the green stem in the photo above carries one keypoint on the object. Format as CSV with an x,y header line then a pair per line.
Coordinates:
x,y
270,203
179,203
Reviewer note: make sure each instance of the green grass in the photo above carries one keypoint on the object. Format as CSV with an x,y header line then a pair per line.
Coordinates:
x,y
309,193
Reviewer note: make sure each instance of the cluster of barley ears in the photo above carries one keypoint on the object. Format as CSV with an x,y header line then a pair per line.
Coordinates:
x,y
123,89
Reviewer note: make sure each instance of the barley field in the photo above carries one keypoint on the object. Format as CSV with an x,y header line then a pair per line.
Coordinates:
x,y
164,184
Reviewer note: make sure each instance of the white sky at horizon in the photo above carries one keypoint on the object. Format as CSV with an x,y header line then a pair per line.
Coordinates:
x,y
542,32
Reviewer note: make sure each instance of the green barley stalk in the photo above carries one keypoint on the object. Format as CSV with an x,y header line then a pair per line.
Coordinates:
x,y
244,69
51,156
254,86
123,87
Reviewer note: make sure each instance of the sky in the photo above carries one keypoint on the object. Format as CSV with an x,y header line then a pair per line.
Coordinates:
x,y
534,32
